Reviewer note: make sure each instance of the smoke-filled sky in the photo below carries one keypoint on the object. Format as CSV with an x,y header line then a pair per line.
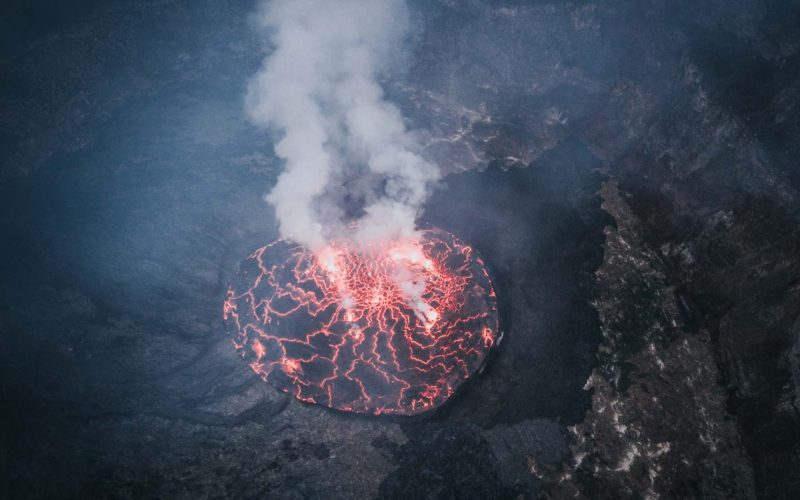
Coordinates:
x,y
348,153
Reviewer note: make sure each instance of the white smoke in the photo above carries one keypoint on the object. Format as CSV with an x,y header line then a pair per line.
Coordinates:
x,y
340,138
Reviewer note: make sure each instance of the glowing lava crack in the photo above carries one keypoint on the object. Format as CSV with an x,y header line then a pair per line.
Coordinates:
x,y
389,329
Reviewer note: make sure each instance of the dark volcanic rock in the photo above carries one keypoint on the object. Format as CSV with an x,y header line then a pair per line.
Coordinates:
x,y
542,258
658,425
131,185
426,468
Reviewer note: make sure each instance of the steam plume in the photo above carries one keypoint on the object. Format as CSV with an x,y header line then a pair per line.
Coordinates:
x,y
342,142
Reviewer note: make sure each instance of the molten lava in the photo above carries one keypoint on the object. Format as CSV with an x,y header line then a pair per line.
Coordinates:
x,y
392,328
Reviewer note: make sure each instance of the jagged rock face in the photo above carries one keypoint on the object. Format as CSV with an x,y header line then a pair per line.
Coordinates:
x,y
626,169
658,421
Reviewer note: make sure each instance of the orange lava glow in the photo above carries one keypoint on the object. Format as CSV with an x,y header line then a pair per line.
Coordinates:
x,y
391,328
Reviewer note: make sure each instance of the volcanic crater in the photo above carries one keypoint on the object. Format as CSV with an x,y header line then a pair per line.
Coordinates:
x,y
389,328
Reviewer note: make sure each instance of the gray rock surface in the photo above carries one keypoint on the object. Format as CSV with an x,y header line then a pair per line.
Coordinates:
x,y
651,345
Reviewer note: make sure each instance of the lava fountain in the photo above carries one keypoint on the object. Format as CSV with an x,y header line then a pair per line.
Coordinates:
x,y
392,328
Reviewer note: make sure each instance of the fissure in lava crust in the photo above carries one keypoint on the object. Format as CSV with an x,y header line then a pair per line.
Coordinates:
x,y
392,329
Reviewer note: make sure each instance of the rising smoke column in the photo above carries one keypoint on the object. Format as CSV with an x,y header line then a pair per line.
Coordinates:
x,y
339,137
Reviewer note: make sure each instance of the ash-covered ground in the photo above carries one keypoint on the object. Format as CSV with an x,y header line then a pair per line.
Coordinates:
x,y
627,169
